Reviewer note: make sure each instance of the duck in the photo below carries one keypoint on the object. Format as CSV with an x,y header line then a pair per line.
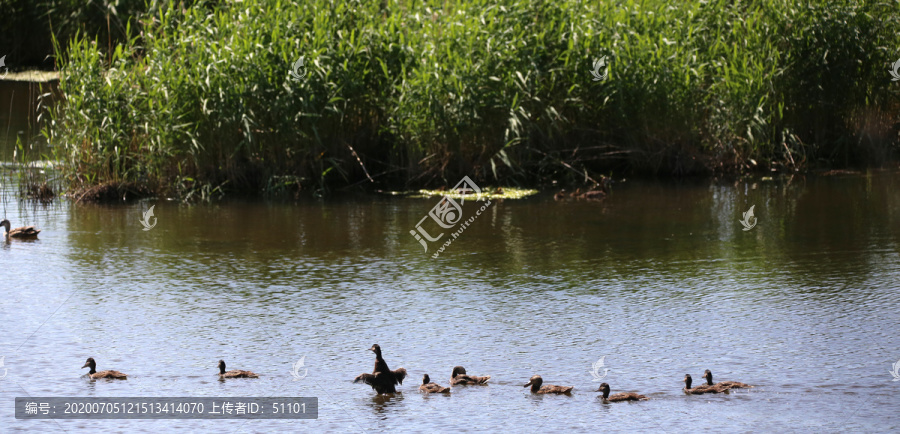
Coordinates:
x,y
234,373
560,195
536,381
25,232
599,191
727,384
699,390
382,378
592,195
619,397
459,378
429,387
94,375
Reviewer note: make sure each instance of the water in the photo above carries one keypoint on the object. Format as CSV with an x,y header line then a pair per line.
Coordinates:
x,y
660,279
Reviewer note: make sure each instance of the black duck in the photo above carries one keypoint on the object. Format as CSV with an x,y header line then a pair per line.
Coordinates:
x,y
699,390
459,378
536,381
24,232
90,363
429,387
234,373
382,379
707,375
619,397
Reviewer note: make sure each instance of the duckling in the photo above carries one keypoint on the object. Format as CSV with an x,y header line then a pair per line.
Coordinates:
x,y
593,195
628,396
234,373
429,387
25,232
699,390
727,384
90,363
535,383
599,191
382,379
459,378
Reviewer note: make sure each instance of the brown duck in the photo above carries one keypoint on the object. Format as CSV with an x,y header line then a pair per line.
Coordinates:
x,y
726,384
619,397
90,363
234,373
429,387
25,232
536,381
382,379
699,390
598,192
459,378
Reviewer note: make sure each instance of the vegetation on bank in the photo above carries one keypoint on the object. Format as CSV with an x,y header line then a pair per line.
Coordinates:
x,y
401,94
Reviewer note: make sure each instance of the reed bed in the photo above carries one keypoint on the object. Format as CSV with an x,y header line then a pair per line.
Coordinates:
x,y
200,100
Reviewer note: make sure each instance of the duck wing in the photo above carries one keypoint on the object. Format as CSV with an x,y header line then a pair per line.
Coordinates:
x,y
552,388
463,379
399,375
433,388
733,385
365,378
237,373
699,390
109,374
628,396
25,231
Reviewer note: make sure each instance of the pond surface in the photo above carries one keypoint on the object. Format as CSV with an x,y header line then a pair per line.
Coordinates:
x,y
659,280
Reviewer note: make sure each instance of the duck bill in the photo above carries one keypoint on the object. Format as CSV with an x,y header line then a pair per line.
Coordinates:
x,y
528,384
86,365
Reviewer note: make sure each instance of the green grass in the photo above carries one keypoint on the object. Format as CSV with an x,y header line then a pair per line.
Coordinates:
x,y
419,93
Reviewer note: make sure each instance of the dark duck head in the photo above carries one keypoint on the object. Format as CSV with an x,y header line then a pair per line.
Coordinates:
x,y
604,388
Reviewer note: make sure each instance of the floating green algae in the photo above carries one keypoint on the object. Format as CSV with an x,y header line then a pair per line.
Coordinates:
x,y
487,193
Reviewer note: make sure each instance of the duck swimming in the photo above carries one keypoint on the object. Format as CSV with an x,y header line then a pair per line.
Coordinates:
x,y
234,373
382,379
90,363
429,387
24,232
699,390
535,383
727,384
459,378
619,397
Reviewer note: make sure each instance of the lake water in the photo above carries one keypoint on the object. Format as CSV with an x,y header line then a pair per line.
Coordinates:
x,y
659,280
